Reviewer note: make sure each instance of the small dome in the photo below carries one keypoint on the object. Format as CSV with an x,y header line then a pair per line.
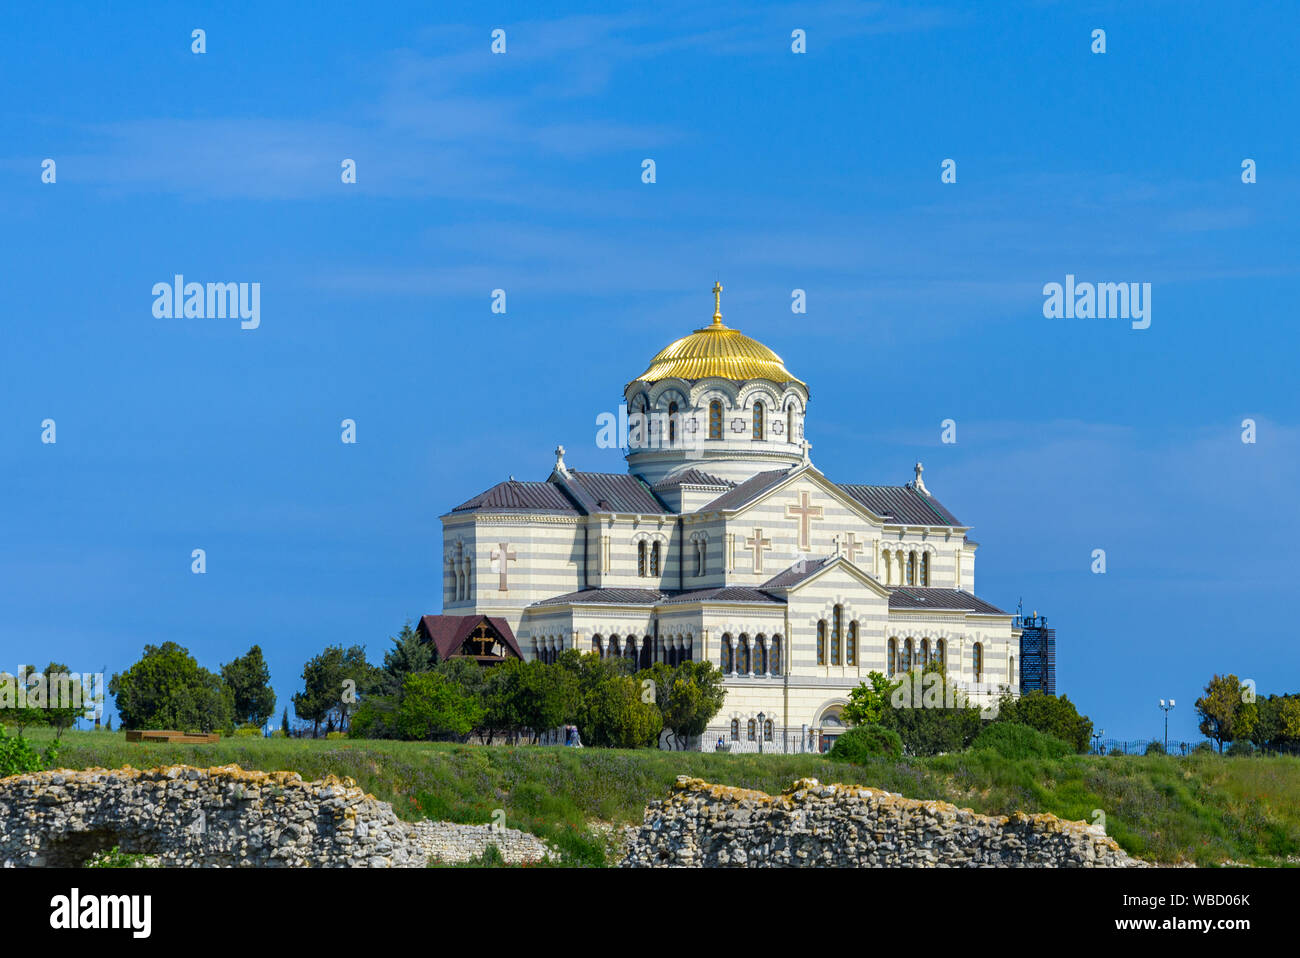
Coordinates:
x,y
717,350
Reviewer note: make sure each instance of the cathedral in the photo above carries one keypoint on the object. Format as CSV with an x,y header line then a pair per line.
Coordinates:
x,y
724,543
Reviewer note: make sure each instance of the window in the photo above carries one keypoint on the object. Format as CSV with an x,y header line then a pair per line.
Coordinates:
x,y
715,420
1011,670
836,618
598,645
911,568
701,556
767,730
851,656
887,567
758,420
891,657
744,655
941,653
821,642
789,424
925,568
751,728
760,655
654,559
735,729
672,422
977,661
728,655
907,655
640,558
776,655
925,652
613,646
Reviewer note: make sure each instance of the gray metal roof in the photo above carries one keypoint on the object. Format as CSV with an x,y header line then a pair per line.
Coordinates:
x,y
693,477
531,496
725,594
657,596
796,573
901,505
754,486
619,492
606,597
948,600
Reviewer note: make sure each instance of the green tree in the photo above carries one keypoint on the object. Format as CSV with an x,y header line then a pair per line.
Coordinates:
x,y
616,716
284,722
334,683
545,696
1278,722
16,707
1050,715
249,681
929,714
868,701
688,696
1225,714
168,689
433,707
410,654
66,699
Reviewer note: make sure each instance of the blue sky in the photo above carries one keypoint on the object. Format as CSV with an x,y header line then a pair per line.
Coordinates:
x,y
775,171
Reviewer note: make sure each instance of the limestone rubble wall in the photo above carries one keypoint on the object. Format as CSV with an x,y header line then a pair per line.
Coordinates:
x,y
226,817
816,825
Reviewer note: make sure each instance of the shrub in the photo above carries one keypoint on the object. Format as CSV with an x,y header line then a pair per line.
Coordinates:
x,y
1015,741
1155,748
17,755
863,743
336,735
1054,716
1241,748
116,858
248,732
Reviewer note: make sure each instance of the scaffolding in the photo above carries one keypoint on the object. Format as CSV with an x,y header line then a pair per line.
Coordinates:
x,y
1037,653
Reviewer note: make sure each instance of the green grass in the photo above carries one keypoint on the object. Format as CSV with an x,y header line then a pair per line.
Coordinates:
x,y
1204,809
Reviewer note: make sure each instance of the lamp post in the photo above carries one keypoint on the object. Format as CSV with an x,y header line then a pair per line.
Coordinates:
x,y
760,733
1096,740
1166,709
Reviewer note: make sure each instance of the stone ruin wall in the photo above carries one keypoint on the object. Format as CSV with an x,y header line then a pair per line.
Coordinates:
x,y
815,825
224,817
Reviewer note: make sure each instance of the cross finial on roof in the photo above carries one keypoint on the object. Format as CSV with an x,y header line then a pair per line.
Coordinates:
x,y
559,460
717,304
920,483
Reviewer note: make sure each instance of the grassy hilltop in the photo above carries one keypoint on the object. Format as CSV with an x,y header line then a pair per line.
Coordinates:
x,y
1204,809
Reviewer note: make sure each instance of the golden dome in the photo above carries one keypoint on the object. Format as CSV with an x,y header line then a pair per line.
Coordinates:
x,y
717,350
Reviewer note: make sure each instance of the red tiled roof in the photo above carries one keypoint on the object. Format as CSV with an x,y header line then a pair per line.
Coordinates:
x,y
449,632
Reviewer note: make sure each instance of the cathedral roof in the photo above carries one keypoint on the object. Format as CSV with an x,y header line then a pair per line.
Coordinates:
x,y
751,488
583,493
693,477
915,597
617,492
905,505
718,350
528,496
796,573
660,596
